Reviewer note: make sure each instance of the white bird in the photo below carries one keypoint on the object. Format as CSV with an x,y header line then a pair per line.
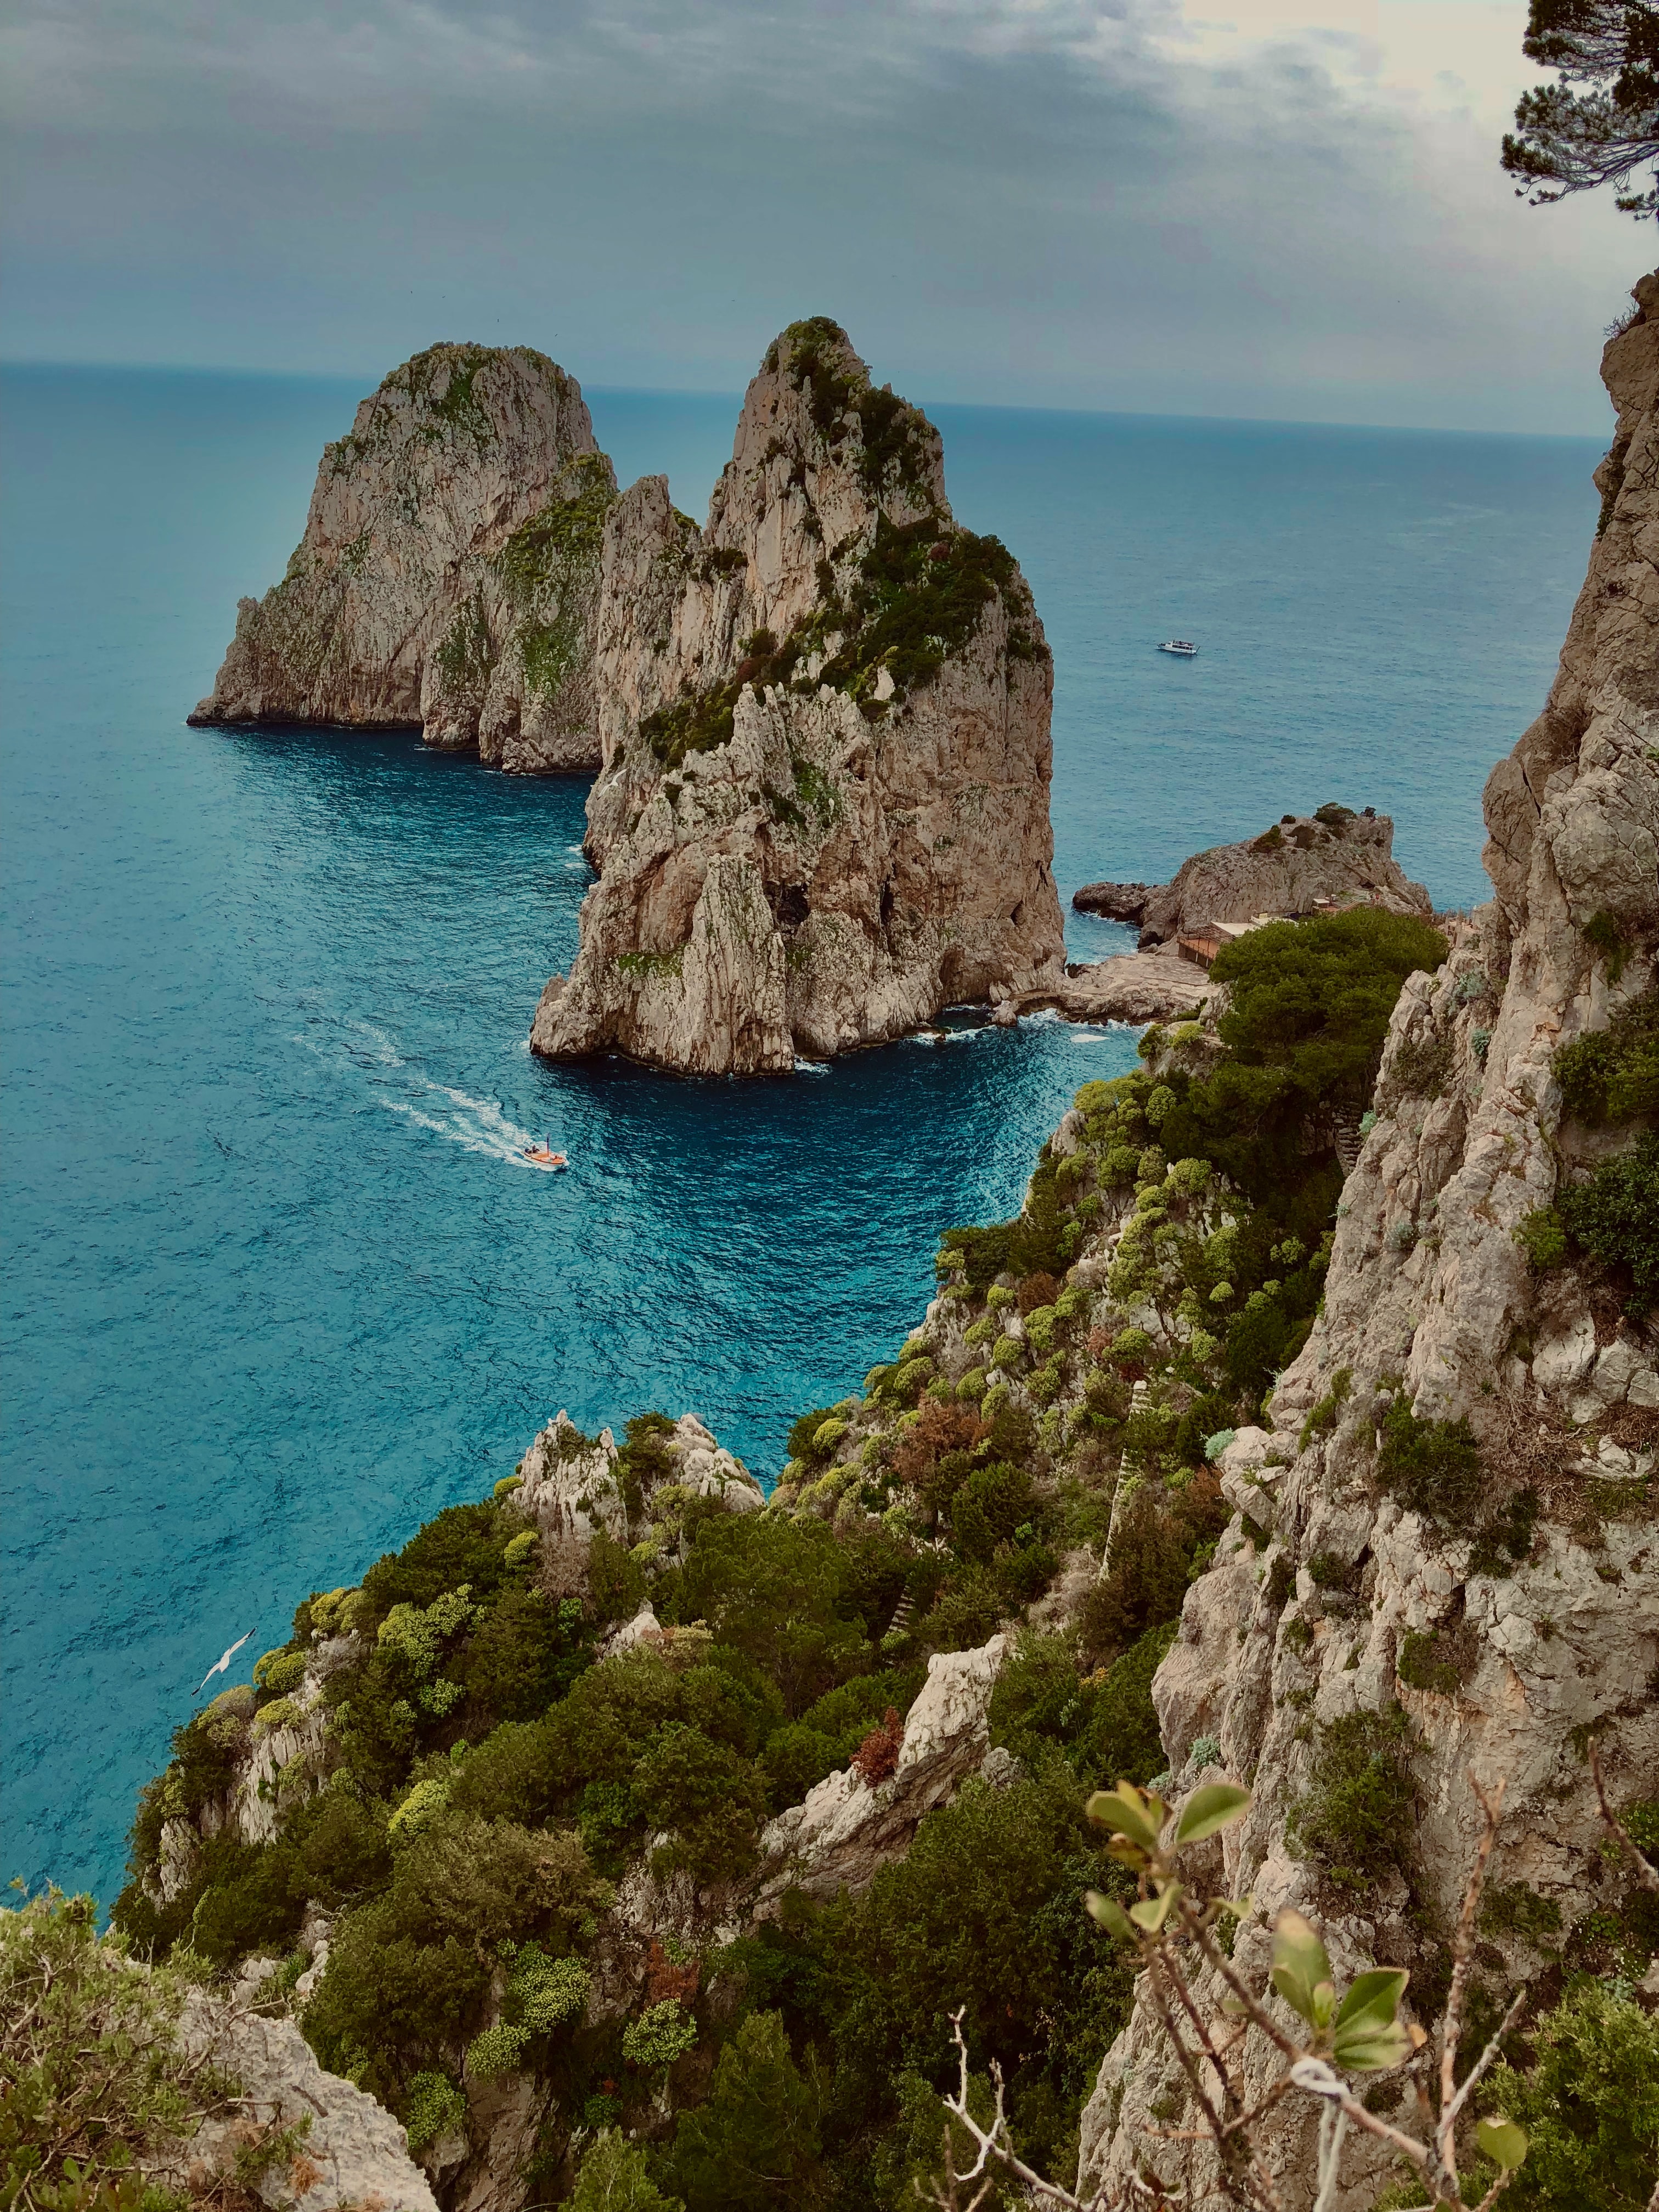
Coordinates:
x,y
220,1663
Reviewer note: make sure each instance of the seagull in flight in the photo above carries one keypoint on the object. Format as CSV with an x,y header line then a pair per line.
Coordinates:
x,y
221,1662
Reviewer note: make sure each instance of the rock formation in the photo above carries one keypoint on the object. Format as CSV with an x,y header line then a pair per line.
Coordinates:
x,y
823,812
1331,858
348,2148
448,576
1502,1665
846,1828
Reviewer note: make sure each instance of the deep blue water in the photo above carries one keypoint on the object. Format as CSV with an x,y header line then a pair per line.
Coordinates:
x,y
275,1288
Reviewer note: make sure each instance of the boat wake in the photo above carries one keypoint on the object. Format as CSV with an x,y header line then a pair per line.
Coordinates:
x,y
396,1085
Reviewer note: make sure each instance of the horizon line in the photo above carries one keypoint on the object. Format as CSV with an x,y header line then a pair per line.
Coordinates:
x,y
9,362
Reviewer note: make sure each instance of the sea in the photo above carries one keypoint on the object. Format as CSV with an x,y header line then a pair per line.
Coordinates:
x,y
277,1285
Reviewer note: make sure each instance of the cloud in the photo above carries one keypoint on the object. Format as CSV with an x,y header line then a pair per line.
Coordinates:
x,y
1293,209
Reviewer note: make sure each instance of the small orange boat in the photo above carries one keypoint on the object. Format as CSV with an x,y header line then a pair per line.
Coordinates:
x,y
539,1157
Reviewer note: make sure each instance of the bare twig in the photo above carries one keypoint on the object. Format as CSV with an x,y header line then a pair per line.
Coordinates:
x,y
1645,1873
1452,2027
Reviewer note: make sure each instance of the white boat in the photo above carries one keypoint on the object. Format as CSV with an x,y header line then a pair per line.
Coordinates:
x,y
1183,646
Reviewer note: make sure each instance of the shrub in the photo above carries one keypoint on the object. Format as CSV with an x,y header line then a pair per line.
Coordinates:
x,y
1153,1553
662,2033
491,1882
1360,1815
94,2078
1308,1009
987,1507
1322,1419
774,1590
614,2177
1602,932
878,1756
755,2142
434,2106
388,2005
796,1758
280,1672
1614,1217
709,1797
804,1434
1512,1909
1613,1075
1121,1741
1589,2104
1543,1238
1433,1468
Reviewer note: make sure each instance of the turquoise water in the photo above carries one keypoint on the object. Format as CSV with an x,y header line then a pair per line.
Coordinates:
x,y
277,1287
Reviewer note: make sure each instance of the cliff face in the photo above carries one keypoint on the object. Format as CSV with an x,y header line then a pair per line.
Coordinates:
x,y
1507,1626
448,576
823,811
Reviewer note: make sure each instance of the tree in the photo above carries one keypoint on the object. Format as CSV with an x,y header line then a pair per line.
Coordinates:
x,y
1567,140
755,2144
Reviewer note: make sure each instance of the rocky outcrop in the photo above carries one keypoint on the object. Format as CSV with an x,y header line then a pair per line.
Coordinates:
x,y
1155,986
301,2139
1114,902
823,812
1505,1641
448,576
846,1827
1333,858
571,1487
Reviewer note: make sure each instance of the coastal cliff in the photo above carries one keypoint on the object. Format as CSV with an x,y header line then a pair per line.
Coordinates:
x,y
823,811
1454,1566
628,1834
448,576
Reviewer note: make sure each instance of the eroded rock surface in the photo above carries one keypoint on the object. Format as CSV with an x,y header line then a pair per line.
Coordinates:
x,y
822,814
448,576
1502,1657
1301,862
348,2149
845,1829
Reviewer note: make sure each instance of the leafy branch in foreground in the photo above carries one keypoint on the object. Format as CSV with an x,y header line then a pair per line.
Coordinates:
x,y
93,2088
1568,140
1175,1934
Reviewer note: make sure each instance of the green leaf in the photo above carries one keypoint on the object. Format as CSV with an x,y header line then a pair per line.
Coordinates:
x,y
1129,1812
1152,1912
1107,1913
1368,2048
1301,1969
1505,2143
1373,1999
1209,1809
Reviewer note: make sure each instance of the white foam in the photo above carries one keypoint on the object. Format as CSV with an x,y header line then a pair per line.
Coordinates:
x,y
477,1125
810,1067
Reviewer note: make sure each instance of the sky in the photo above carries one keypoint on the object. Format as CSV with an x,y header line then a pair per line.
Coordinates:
x,y
1283,209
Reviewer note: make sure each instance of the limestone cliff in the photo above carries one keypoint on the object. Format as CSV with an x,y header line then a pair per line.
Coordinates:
x,y
448,576
823,813
1490,1631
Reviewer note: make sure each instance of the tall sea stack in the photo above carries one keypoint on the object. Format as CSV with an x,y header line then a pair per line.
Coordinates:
x,y
448,576
823,812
